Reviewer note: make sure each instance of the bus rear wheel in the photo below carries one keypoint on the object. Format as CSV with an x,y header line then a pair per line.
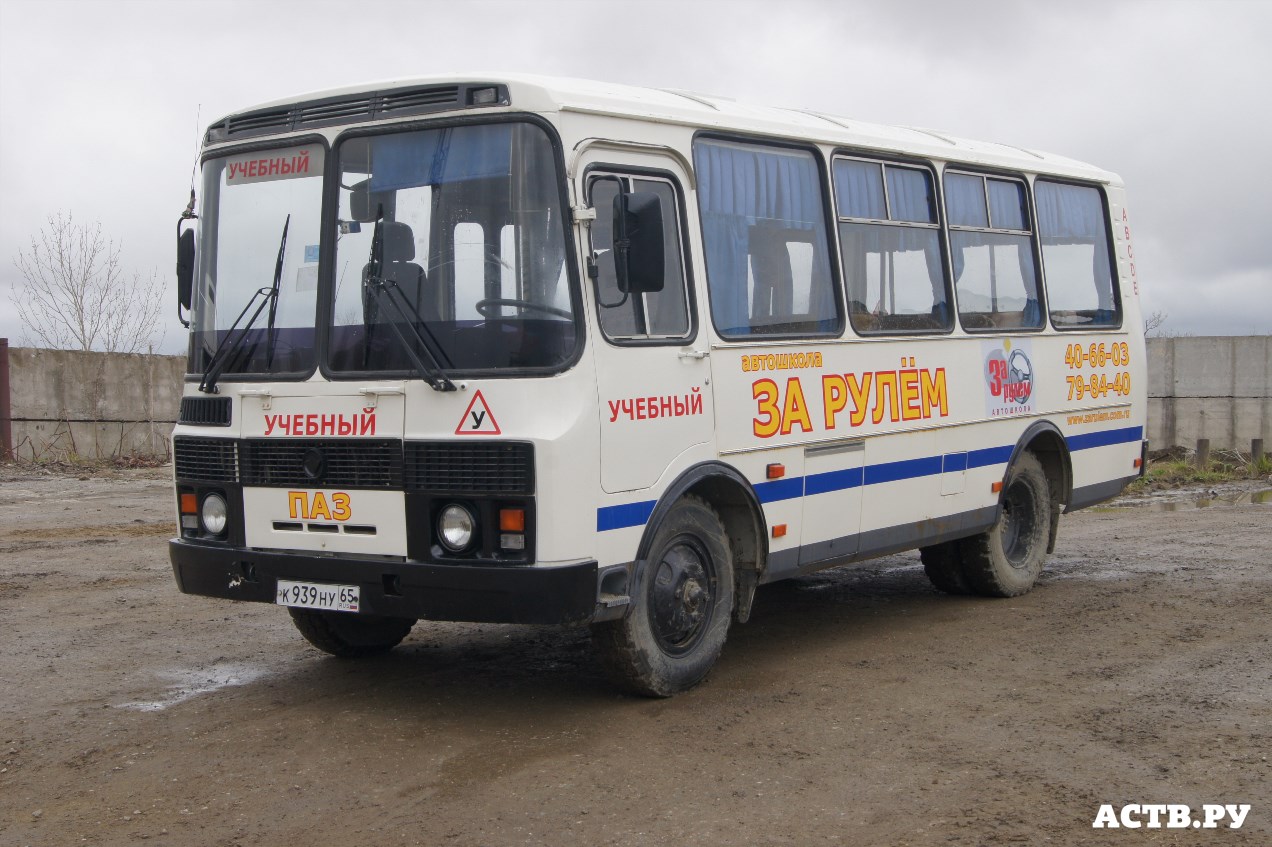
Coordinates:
x,y
1006,560
943,564
680,607
348,635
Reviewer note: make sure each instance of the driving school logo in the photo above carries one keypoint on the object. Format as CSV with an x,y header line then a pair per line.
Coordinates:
x,y
1009,378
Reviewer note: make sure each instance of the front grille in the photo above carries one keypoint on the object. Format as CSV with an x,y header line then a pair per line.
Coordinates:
x,y
448,467
205,459
205,411
361,463
359,107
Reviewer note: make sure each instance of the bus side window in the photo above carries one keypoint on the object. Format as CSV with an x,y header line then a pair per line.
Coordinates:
x,y
765,238
995,274
1073,229
891,243
653,315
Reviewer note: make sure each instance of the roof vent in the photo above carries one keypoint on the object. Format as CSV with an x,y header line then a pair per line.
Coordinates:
x,y
376,105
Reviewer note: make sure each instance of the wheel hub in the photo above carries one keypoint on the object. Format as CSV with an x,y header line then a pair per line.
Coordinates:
x,y
680,598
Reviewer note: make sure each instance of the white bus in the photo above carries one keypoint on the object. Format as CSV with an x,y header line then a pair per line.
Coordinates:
x,y
559,352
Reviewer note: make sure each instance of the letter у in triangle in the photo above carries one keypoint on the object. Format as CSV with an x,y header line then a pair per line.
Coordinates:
x,y
478,419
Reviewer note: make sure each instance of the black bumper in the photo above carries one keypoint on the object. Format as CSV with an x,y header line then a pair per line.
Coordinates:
x,y
406,589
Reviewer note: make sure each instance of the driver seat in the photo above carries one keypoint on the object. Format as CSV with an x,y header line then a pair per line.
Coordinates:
x,y
399,268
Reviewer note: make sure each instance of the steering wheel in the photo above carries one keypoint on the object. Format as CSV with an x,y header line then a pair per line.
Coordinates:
x,y
487,307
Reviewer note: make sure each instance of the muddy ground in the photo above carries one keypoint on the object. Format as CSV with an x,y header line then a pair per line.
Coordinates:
x,y
857,707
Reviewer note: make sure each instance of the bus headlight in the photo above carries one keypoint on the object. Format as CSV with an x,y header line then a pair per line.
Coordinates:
x,y
214,514
455,527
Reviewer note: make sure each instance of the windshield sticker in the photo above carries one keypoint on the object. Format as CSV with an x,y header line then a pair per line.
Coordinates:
x,y
311,252
1009,378
478,419
270,165
307,278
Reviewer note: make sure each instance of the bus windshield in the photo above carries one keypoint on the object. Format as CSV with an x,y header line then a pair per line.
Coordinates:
x,y
470,262
247,201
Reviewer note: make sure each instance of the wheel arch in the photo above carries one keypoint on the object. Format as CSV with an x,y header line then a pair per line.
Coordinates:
x,y
1046,442
731,496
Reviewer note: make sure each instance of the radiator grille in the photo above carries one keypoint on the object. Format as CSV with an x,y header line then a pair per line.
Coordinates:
x,y
361,463
205,459
205,411
448,467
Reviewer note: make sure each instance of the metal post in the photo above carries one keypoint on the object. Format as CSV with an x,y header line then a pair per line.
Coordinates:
x,y
1256,451
6,407
1203,453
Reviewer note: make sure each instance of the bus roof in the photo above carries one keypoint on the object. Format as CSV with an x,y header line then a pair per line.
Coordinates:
x,y
685,108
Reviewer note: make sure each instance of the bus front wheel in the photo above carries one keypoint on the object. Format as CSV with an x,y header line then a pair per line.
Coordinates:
x,y
350,635
1006,560
680,607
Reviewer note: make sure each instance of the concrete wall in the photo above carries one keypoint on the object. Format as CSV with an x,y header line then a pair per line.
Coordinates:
x,y
94,405
100,405
1216,387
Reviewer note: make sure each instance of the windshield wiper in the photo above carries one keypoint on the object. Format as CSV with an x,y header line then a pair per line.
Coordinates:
x,y
433,374
273,303
221,358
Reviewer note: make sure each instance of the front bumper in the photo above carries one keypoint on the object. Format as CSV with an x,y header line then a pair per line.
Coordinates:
x,y
405,589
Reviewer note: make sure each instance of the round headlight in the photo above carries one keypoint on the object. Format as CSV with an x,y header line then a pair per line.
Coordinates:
x,y
455,527
215,514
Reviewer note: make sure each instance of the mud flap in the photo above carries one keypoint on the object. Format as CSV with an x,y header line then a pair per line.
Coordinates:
x,y
1055,527
746,581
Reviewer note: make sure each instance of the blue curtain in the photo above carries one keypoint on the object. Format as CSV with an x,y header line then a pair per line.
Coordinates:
x,y
910,195
1069,214
1007,204
740,187
859,189
437,157
965,201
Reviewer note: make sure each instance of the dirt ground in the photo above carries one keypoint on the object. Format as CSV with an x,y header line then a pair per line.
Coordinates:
x,y
858,706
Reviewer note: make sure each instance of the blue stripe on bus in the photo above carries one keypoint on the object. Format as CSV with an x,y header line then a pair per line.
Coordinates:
x,y
779,489
904,469
822,483
989,456
621,517
1105,437
773,491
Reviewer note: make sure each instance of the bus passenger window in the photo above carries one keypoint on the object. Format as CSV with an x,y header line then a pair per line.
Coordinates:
x,y
764,234
1073,228
891,245
995,275
652,315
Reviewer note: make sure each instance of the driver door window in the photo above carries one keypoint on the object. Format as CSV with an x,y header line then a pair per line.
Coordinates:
x,y
654,316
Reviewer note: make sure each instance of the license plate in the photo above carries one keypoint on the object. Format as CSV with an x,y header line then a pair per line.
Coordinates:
x,y
318,595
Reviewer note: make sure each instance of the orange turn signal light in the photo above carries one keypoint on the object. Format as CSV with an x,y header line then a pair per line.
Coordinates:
x,y
1137,463
779,530
512,520
775,471
189,504
996,487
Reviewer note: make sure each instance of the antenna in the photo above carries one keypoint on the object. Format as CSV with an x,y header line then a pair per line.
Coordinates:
x,y
194,167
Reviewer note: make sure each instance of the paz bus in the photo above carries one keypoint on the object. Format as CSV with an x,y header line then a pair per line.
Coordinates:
x,y
544,351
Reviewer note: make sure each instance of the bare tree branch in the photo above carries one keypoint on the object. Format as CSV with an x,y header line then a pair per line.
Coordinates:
x,y
1154,322
75,295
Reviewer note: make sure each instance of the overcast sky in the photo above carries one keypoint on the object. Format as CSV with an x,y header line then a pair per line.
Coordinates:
x,y
98,100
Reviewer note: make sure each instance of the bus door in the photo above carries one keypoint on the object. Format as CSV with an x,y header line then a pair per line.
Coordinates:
x,y
651,359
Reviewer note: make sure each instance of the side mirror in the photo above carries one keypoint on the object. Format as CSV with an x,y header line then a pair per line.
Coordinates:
x,y
638,242
185,268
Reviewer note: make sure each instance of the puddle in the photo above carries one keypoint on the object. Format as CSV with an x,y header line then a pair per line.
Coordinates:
x,y
1244,498
186,685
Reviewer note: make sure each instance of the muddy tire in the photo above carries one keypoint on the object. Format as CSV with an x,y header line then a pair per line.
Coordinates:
x,y
348,635
943,564
681,605
1005,560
